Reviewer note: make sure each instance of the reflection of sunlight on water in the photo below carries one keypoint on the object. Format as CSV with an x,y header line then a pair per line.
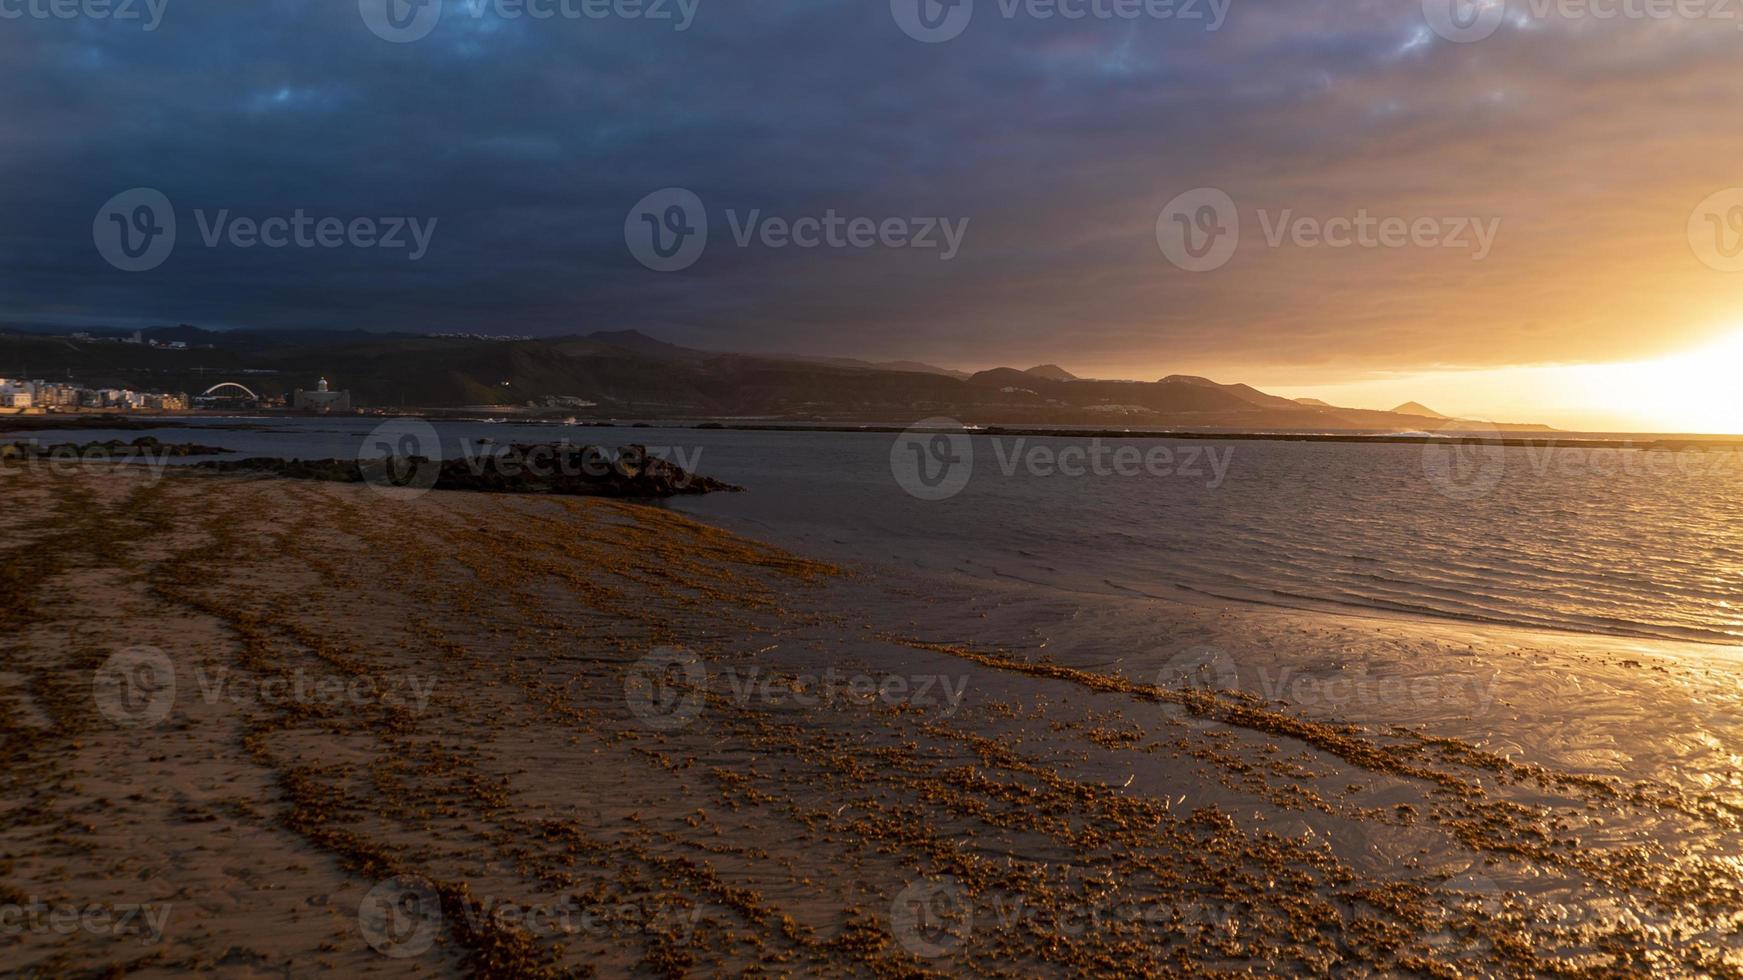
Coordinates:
x,y
1578,751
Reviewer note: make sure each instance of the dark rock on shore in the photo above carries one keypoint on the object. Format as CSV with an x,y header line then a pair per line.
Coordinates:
x,y
35,423
145,447
587,471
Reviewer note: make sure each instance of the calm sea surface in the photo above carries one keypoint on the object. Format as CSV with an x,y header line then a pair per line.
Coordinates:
x,y
1624,542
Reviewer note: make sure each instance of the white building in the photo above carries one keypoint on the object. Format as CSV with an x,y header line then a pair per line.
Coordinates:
x,y
322,399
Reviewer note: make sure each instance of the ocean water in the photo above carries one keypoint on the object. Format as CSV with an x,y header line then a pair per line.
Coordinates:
x,y
1615,541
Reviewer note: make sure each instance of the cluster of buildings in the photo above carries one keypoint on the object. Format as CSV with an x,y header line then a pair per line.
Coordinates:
x,y
37,396
138,338
20,395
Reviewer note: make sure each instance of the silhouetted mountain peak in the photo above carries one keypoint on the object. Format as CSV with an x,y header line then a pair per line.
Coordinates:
x,y
1417,408
1051,372
634,340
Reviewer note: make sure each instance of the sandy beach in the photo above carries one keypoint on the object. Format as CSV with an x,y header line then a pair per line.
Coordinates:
x,y
269,728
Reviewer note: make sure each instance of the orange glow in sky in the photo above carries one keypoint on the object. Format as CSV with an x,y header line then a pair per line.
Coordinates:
x,y
1697,391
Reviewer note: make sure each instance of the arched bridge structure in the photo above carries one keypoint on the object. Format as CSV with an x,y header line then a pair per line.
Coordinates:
x,y
229,389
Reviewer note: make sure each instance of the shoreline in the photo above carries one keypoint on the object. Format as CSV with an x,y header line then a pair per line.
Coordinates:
x,y
1571,625
768,763
1650,442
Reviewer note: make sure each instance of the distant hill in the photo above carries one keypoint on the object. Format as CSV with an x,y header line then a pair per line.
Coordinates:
x,y
1417,408
1051,372
634,340
1246,393
1313,402
627,374
911,367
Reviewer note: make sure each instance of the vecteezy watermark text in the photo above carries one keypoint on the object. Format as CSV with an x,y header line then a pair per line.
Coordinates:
x,y
832,230
1210,670
68,459
935,459
137,687
405,21
149,13
937,21
681,13
1200,230
145,922
668,231
936,917
1467,21
404,458
1467,465
669,688
301,687
136,230
299,230
403,916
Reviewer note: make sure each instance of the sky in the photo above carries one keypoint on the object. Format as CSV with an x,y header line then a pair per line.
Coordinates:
x,y
1521,214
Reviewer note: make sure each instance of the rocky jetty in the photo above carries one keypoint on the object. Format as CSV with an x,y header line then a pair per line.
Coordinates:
x,y
145,447
549,468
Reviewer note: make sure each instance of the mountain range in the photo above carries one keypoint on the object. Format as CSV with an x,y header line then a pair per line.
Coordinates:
x,y
627,374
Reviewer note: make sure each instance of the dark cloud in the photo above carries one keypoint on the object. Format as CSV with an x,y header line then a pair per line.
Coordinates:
x,y
529,141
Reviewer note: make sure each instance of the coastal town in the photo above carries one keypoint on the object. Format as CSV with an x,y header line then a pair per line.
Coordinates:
x,y
34,396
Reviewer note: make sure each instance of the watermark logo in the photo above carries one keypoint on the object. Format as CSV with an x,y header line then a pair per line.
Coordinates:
x,y
1464,21
1200,668
135,687
135,231
931,918
1716,231
930,464
667,231
401,917
1467,464
665,690
932,21
1199,230
401,458
400,21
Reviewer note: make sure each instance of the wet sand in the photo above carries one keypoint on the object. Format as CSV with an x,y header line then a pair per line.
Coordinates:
x,y
296,726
